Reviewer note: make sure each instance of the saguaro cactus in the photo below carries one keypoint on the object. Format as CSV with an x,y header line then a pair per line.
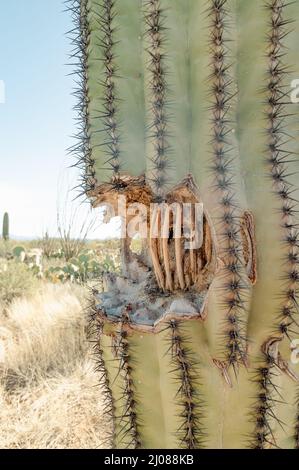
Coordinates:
x,y
188,102
5,227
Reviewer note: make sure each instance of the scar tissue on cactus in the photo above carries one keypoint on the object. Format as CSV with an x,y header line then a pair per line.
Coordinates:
x,y
188,102
5,227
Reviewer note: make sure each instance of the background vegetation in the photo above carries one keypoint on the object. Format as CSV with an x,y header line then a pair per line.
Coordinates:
x,y
49,393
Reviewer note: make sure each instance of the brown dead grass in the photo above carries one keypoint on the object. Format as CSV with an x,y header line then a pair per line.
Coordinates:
x,y
49,393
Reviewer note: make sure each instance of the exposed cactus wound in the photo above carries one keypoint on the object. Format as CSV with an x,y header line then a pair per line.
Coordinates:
x,y
249,245
179,273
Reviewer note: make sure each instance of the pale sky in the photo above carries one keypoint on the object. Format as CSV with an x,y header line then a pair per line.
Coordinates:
x,y
36,119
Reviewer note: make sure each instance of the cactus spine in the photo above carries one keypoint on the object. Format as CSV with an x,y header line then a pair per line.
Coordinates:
x,y
180,103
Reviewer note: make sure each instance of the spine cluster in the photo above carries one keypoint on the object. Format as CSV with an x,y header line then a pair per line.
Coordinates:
x,y
155,33
80,39
190,431
235,284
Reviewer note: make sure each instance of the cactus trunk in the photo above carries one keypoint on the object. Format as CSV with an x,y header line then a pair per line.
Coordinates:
x,y
5,227
187,102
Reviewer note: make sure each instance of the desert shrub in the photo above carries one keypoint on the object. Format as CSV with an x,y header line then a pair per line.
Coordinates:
x,y
5,248
48,245
16,280
86,266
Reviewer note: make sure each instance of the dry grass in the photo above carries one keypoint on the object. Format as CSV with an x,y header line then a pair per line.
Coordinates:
x,y
49,396
16,279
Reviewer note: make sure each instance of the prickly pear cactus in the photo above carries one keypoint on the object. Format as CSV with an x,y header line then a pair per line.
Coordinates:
x,y
187,102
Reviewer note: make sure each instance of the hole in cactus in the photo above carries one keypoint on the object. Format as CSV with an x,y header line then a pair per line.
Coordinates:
x,y
164,274
136,245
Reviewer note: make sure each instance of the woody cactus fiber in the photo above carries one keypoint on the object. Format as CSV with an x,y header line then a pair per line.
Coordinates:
x,y
187,102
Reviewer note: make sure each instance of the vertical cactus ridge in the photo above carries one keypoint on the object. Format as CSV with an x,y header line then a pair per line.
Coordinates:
x,y
264,435
80,39
129,435
96,329
109,116
279,155
229,219
158,131
190,432
265,418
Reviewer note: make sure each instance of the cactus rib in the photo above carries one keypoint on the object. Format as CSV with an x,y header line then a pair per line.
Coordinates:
x,y
158,89
264,415
129,419
96,327
235,284
277,157
80,39
109,116
190,431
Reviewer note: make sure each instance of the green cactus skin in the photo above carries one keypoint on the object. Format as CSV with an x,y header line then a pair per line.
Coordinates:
x,y
5,227
171,88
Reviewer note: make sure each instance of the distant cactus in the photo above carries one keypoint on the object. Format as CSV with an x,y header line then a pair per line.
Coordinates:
x,y
5,227
187,101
